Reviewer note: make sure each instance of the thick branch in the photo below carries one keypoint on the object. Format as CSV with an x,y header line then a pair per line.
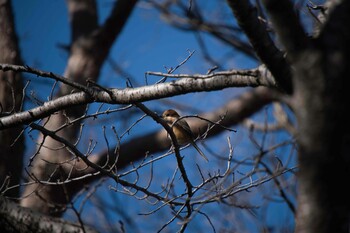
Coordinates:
x,y
89,49
287,26
115,23
335,34
14,218
83,17
136,149
263,45
212,82
11,97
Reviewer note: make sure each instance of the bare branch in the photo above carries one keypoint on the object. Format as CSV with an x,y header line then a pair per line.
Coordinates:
x,y
264,47
190,84
11,100
287,26
17,68
18,219
83,18
234,111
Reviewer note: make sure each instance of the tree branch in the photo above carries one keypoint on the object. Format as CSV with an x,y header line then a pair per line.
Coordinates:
x,y
14,218
11,101
83,18
287,26
231,114
264,47
136,149
89,49
115,23
211,82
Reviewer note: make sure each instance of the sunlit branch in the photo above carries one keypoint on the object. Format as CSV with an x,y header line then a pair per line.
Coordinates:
x,y
134,95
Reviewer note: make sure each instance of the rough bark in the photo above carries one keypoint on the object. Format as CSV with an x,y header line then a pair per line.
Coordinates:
x,y
320,101
16,219
11,88
187,84
320,74
263,45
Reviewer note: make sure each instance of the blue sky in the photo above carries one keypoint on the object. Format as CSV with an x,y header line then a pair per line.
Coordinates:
x,y
146,44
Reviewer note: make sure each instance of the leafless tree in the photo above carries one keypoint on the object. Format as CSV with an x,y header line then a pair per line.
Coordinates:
x,y
298,88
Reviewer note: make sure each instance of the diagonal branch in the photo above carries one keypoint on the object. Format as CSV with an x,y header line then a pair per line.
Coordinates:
x,y
59,78
230,114
115,23
287,26
136,149
211,82
196,22
88,51
262,43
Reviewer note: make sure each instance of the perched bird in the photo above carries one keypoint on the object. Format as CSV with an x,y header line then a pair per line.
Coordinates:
x,y
181,130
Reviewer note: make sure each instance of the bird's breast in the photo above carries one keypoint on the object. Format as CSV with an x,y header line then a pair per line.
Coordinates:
x,y
182,136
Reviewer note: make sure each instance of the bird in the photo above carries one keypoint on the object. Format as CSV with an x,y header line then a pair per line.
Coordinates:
x,y
181,130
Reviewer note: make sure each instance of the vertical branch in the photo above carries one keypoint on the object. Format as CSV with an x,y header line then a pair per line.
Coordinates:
x,y
287,26
179,159
11,97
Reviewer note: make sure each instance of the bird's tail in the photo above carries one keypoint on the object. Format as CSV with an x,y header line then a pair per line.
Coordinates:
x,y
199,151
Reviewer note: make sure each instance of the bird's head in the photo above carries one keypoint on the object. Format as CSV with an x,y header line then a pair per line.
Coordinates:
x,y
170,115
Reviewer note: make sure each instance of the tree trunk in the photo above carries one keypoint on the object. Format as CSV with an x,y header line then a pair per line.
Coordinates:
x,y
321,104
11,88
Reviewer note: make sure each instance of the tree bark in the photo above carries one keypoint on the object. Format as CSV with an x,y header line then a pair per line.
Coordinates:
x,y
89,49
11,88
321,104
16,219
320,101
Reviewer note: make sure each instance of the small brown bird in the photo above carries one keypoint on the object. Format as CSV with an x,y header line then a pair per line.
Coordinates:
x,y
181,130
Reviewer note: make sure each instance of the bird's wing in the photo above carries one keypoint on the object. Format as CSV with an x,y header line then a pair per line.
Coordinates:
x,y
199,151
183,124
